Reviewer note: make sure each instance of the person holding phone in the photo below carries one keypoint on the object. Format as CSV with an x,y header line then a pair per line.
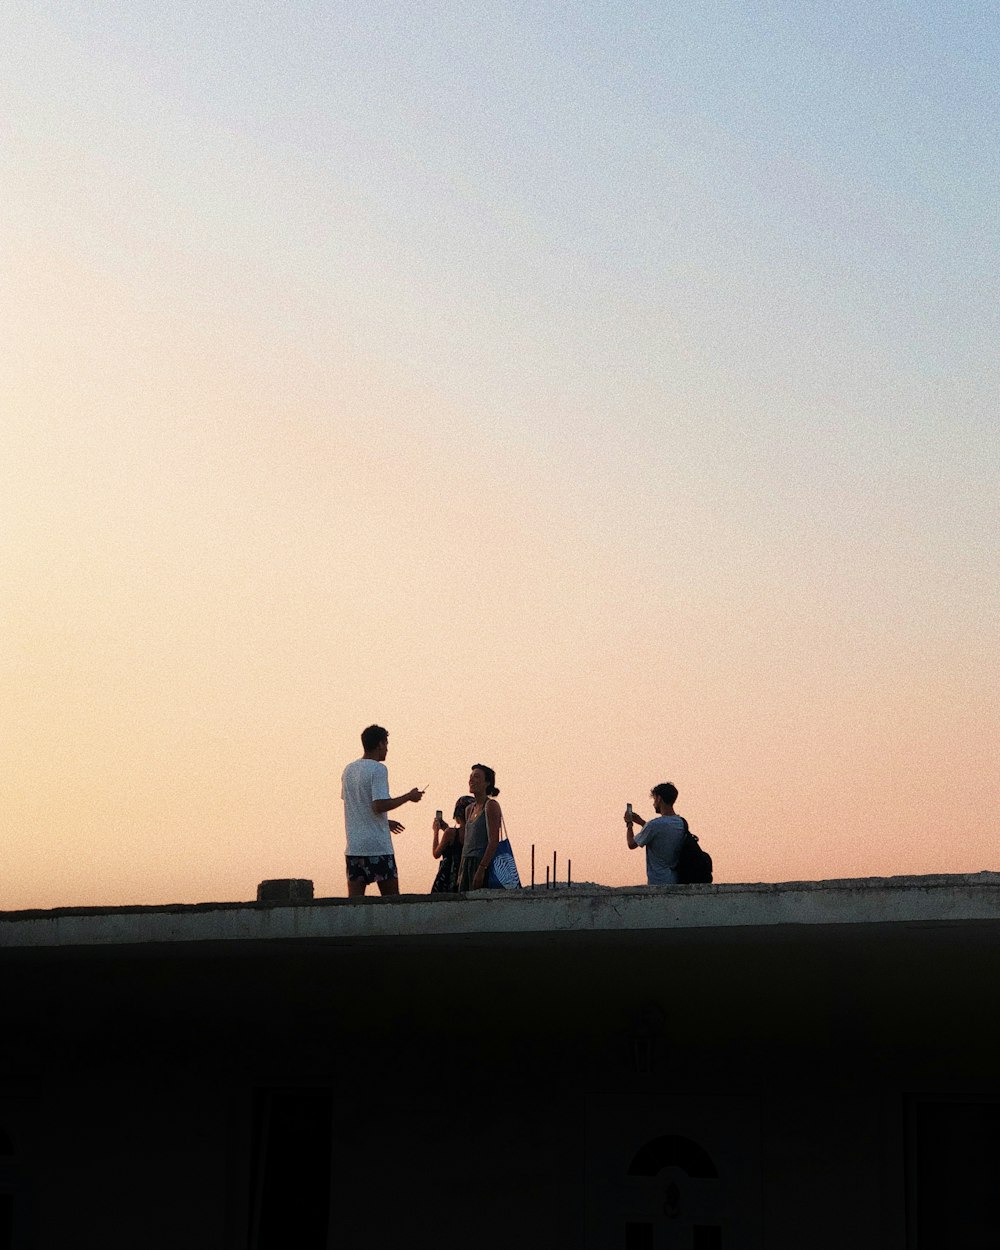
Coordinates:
x,y
662,837
482,829
447,847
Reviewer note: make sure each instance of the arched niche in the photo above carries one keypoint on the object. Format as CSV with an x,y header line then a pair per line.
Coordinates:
x,y
672,1151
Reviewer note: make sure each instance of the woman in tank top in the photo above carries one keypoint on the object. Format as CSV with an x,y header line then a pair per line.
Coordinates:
x,y
482,829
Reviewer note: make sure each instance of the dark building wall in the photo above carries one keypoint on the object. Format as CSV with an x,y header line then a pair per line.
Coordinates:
x,y
111,1162
497,1088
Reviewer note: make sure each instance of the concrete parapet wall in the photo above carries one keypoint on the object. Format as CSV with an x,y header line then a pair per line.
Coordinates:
x,y
874,901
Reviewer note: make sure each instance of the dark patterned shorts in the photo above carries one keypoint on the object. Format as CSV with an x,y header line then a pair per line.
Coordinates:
x,y
371,868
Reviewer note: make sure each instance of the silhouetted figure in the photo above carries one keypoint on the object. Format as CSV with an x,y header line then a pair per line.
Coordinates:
x,y
365,791
662,837
448,841
482,829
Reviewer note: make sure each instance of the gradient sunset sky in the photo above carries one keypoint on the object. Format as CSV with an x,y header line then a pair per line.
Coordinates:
x,y
606,392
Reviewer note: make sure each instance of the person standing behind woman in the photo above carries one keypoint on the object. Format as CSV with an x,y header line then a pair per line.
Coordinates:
x,y
482,829
448,848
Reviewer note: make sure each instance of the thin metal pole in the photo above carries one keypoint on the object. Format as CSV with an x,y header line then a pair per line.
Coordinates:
x,y
553,870
532,865
569,873
546,876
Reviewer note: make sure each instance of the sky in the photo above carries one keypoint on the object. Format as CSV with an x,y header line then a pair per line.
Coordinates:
x,y
604,392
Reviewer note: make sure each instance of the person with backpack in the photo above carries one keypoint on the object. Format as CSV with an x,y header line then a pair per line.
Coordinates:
x,y
664,838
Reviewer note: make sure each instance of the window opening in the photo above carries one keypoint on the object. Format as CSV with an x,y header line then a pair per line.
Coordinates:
x,y
638,1236
292,1159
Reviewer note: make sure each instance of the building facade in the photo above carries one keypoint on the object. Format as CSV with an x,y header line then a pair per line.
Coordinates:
x,y
756,1067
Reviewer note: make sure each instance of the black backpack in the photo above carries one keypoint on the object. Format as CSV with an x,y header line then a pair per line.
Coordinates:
x,y
694,866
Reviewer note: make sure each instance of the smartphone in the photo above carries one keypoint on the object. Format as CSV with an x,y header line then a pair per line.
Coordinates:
x,y
628,809
438,817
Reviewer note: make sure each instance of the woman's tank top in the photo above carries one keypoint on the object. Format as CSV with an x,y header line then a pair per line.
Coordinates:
x,y
476,836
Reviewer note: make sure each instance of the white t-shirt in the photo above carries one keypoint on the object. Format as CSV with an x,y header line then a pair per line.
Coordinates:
x,y
663,837
367,833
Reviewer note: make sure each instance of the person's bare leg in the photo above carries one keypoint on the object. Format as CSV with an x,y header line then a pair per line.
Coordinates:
x,y
389,887
355,889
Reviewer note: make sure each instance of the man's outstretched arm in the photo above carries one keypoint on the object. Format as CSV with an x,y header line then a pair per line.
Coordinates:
x,y
389,805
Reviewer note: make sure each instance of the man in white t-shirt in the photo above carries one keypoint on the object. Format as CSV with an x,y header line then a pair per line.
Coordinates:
x,y
364,788
662,837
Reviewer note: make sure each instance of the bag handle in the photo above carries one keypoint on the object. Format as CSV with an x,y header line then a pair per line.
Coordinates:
x,y
503,824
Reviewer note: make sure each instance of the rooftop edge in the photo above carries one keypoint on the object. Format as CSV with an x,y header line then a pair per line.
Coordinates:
x,y
847,901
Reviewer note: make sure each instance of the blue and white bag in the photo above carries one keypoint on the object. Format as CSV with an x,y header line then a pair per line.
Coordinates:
x,y
502,872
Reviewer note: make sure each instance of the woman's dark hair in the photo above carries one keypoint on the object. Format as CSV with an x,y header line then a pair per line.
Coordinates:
x,y
461,805
491,780
372,736
665,791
